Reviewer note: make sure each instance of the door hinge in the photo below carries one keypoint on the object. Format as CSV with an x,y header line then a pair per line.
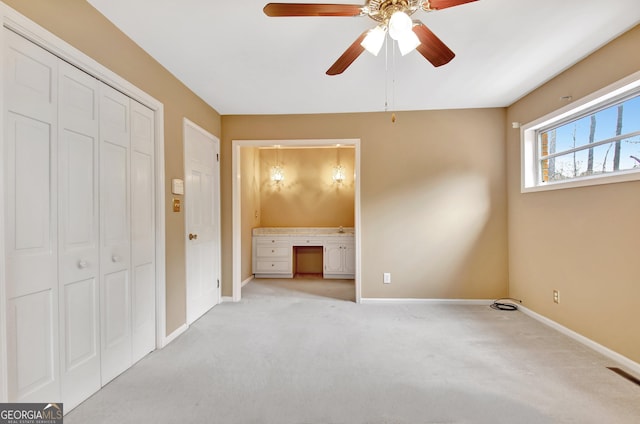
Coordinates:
x,y
218,283
218,157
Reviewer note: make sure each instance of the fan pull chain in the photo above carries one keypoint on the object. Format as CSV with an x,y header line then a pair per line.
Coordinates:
x,y
386,73
386,78
393,82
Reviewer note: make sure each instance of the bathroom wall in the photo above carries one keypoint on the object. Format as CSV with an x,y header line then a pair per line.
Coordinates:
x,y
308,196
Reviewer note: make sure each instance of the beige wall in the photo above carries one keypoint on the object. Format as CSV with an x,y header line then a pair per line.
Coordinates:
x,y
433,188
250,201
308,197
433,191
583,241
79,24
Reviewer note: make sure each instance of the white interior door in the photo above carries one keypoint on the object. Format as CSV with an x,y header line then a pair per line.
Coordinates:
x,y
79,244
115,252
202,209
30,97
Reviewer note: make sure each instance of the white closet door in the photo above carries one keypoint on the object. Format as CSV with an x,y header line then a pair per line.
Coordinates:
x,y
31,221
202,221
115,261
143,231
79,235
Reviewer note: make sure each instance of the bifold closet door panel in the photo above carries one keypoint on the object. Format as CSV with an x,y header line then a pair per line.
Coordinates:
x,y
115,233
143,241
79,231
30,146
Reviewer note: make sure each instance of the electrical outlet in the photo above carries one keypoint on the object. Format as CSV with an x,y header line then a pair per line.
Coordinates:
x,y
556,296
386,278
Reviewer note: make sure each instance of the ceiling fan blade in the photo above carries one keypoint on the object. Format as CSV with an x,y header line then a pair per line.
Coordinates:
x,y
348,56
311,9
431,47
443,4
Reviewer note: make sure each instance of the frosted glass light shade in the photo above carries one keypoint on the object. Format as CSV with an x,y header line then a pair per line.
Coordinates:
x,y
399,24
408,42
374,40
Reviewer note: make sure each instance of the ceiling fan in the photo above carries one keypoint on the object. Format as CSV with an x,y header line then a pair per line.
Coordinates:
x,y
393,16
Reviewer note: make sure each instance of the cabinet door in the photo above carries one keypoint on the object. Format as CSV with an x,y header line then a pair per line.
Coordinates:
x,y
79,235
349,252
333,258
31,263
115,284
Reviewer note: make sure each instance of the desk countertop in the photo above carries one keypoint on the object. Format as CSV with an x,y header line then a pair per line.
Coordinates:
x,y
304,231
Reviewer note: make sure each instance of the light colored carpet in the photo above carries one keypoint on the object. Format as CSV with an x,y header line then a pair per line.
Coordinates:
x,y
295,352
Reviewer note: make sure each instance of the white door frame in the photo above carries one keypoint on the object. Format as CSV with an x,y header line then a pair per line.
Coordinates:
x,y
216,197
25,27
237,207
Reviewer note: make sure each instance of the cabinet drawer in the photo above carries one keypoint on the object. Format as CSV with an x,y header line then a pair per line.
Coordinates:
x,y
307,241
269,267
271,241
272,252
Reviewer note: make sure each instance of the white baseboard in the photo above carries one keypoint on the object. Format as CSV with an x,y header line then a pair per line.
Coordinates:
x,y
247,281
615,356
226,299
482,302
177,332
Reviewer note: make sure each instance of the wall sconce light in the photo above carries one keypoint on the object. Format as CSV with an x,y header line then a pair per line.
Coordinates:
x,y
277,173
338,174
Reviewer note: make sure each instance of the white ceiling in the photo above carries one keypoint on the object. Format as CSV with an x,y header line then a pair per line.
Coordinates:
x,y
242,62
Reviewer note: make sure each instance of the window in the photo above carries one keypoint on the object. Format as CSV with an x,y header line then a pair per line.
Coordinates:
x,y
594,141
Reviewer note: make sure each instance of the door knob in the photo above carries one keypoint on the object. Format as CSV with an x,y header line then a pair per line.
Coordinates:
x,y
83,264
115,258
193,236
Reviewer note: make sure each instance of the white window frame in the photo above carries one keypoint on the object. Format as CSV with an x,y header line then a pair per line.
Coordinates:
x,y
529,157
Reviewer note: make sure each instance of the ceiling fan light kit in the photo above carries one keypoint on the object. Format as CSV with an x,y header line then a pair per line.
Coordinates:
x,y
394,17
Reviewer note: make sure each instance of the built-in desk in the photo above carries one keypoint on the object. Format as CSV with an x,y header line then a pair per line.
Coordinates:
x,y
273,250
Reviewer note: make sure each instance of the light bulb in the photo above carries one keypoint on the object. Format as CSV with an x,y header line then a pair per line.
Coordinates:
x,y
399,24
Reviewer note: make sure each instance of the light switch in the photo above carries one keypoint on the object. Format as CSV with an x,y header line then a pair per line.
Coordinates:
x,y
177,186
176,205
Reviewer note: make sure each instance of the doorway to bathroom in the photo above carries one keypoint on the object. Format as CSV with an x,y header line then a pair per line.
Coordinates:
x,y
246,159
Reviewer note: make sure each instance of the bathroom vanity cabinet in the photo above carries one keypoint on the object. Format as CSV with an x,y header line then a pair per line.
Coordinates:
x,y
273,250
